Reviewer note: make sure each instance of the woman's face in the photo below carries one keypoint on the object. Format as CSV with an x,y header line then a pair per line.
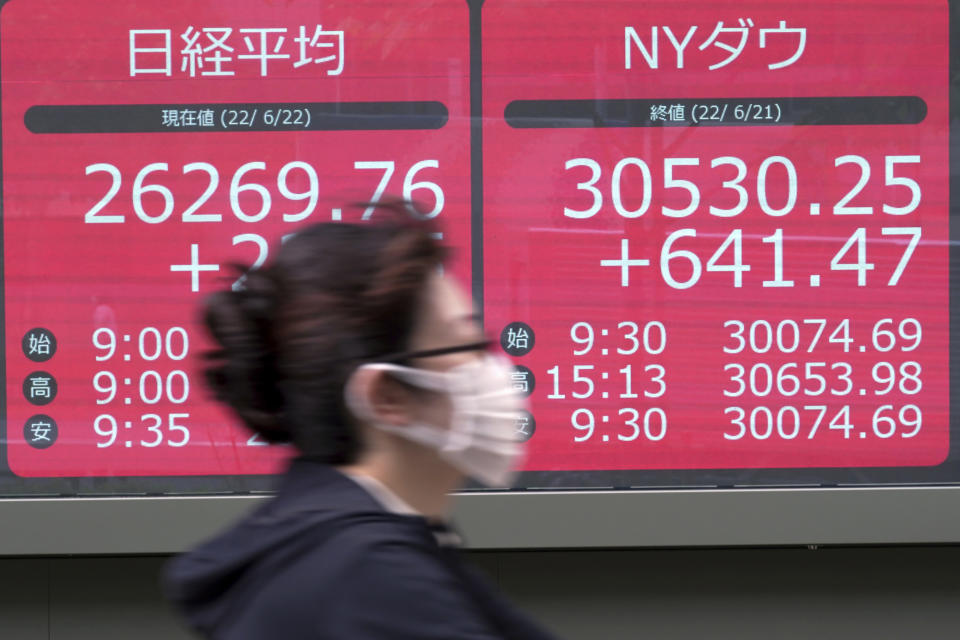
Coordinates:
x,y
446,319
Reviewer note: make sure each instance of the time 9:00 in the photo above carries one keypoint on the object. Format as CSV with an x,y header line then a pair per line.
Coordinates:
x,y
152,343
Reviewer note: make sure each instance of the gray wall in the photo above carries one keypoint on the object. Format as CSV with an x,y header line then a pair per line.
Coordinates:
x,y
849,593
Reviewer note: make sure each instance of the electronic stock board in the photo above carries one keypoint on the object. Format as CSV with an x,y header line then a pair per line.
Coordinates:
x,y
714,238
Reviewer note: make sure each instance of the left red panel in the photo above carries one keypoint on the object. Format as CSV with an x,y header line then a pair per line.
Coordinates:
x,y
148,146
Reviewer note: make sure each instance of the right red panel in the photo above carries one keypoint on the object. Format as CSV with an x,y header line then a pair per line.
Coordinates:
x,y
715,235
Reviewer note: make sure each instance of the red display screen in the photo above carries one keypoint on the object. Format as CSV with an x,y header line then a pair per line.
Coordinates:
x,y
730,252
713,237
145,152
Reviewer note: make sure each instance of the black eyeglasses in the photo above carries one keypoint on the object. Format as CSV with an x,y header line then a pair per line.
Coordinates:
x,y
405,356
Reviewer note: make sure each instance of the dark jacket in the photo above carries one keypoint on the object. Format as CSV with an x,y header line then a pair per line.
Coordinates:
x,y
323,559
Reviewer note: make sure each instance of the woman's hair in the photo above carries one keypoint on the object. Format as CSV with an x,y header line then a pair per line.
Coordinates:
x,y
335,296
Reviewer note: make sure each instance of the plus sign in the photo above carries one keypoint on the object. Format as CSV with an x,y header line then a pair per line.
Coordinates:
x,y
194,268
624,263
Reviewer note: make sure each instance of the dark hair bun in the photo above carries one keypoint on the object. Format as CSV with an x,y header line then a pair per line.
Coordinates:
x,y
335,295
245,374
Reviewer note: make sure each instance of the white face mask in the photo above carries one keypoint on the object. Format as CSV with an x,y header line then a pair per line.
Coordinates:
x,y
482,441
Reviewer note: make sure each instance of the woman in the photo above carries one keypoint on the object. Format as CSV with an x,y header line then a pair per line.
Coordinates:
x,y
353,348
